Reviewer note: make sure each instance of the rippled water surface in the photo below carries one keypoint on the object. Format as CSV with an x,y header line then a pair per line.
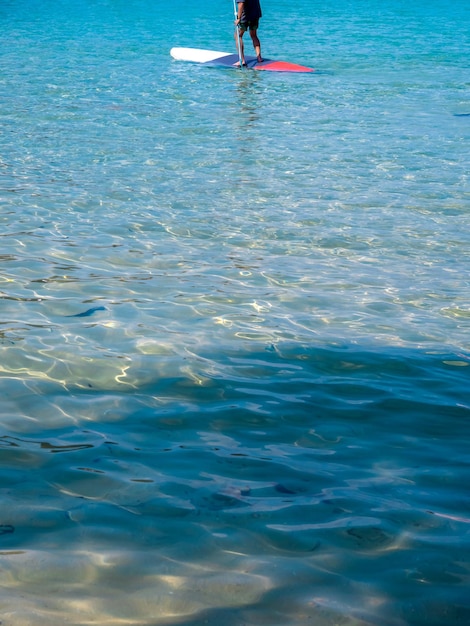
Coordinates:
x,y
235,317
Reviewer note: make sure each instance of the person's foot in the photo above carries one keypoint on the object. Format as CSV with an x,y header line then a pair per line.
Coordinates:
x,y
260,59
237,64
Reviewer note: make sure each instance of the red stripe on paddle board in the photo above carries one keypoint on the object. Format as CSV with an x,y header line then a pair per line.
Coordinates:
x,y
282,66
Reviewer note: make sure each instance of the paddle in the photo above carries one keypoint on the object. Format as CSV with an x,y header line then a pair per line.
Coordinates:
x,y
237,34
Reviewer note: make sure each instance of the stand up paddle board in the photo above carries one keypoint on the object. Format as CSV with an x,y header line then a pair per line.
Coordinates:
x,y
226,59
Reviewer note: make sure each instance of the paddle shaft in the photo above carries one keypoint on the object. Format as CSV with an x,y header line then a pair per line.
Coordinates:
x,y
237,34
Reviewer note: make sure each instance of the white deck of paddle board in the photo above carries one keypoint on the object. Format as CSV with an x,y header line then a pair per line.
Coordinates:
x,y
196,55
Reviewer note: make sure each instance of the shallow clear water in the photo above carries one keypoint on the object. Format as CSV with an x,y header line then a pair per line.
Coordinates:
x,y
235,317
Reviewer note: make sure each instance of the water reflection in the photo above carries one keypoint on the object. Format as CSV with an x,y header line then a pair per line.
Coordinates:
x,y
248,91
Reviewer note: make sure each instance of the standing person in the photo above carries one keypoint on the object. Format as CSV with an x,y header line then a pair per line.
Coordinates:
x,y
248,14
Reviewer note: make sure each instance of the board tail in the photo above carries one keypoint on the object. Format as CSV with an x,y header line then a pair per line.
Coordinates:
x,y
281,66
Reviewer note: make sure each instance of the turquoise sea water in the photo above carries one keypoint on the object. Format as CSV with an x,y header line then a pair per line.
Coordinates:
x,y
235,316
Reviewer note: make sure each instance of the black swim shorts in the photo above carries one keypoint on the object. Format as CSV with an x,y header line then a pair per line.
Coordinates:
x,y
250,25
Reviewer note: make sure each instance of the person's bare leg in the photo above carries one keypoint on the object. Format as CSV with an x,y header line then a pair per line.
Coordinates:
x,y
240,46
256,45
